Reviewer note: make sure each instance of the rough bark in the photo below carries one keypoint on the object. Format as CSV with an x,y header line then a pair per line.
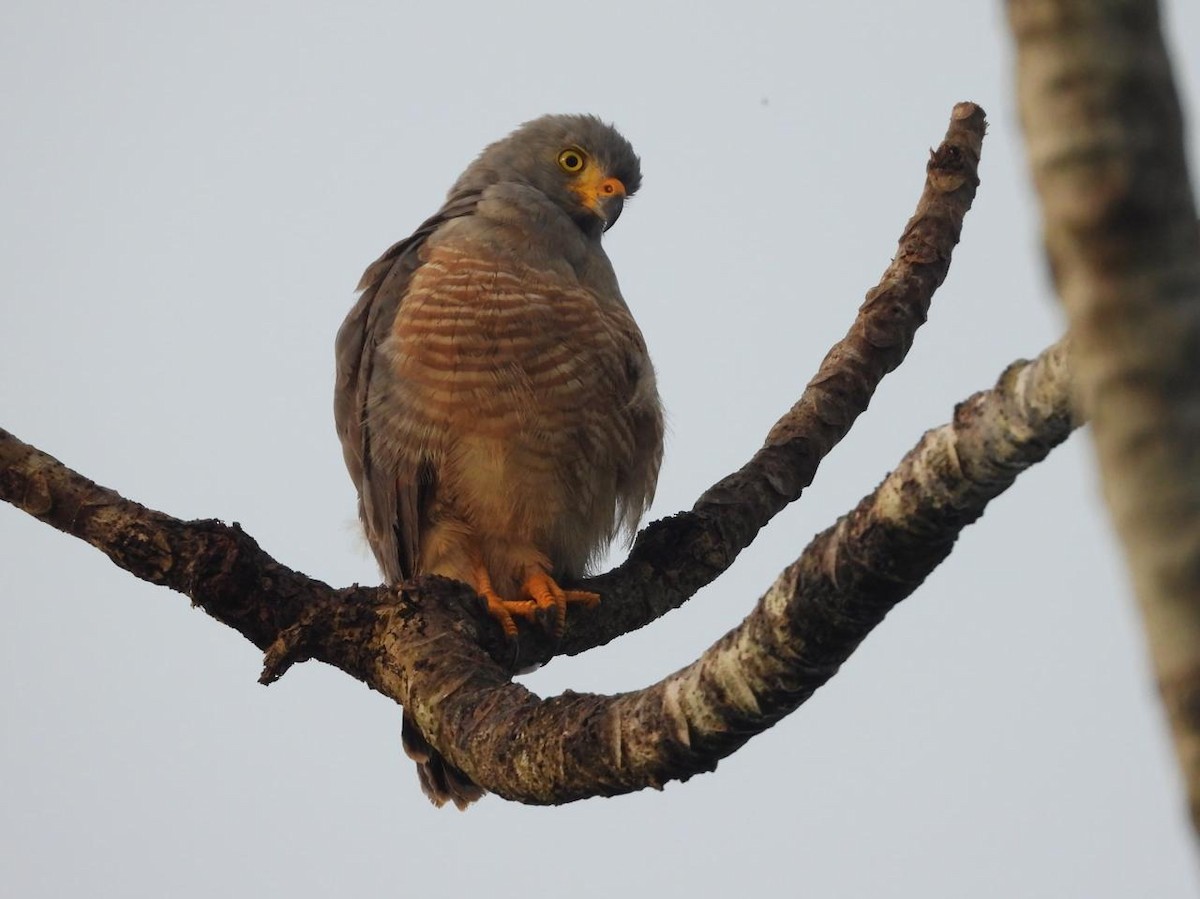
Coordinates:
x,y
418,647
700,544
808,622
431,648
1105,140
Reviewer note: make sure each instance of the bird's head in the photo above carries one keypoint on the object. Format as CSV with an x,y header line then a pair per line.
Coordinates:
x,y
583,165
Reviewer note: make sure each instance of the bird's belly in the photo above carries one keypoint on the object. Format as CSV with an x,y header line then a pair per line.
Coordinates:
x,y
546,477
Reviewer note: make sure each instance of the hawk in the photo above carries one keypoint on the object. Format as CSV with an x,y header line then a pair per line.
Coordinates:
x,y
495,401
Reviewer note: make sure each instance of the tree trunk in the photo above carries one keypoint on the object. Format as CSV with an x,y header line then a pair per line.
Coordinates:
x,y
1105,141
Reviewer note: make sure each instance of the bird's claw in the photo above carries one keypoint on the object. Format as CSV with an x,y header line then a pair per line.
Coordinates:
x,y
549,595
503,611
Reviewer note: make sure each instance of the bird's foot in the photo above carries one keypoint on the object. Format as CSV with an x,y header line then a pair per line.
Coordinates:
x,y
500,608
503,611
546,594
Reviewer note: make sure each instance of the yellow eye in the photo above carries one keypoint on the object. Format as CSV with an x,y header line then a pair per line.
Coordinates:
x,y
572,160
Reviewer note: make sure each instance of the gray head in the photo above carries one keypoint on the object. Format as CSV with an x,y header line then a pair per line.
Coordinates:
x,y
579,162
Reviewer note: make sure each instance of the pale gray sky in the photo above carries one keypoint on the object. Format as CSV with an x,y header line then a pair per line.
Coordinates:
x,y
189,193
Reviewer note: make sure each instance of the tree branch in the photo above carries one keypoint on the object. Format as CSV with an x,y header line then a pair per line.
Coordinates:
x,y
1105,138
809,622
674,558
220,567
422,648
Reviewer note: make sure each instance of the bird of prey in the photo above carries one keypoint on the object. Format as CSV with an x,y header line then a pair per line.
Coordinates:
x,y
495,401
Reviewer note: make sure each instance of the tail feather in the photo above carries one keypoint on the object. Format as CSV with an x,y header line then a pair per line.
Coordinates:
x,y
440,780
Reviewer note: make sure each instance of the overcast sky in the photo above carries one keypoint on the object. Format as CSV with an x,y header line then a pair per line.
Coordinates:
x,y
188,195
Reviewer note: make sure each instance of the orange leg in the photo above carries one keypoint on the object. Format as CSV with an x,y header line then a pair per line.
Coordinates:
x,y
548,595
499,608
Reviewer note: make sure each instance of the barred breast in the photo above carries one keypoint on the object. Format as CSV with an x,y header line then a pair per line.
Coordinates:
x,y
534,402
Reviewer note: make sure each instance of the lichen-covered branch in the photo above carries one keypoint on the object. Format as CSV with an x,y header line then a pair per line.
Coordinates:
x,y
674,558
219,566
808,623
1105,139
428,647
422,651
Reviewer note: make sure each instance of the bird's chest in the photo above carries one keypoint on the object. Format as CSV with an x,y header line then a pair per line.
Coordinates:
x,y
488,350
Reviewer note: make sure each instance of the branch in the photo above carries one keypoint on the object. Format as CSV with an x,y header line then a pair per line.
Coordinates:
x,y
671,559
1105,138
220,567
674,558
421,648
810,620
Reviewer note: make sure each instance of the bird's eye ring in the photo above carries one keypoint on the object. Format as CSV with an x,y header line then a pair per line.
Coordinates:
x,y
572,160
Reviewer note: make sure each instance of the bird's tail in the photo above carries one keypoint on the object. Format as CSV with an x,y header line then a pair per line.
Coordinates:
x,y
440,780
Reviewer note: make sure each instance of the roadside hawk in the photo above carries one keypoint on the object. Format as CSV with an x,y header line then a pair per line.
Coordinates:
x,y
495,401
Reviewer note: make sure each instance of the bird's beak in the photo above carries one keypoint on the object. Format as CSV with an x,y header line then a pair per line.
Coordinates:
x,y
610,209
603,196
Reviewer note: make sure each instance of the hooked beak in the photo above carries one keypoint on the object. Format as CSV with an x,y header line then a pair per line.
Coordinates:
x,y
610,208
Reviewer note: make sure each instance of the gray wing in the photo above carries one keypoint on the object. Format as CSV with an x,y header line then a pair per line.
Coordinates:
x,y
390,509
